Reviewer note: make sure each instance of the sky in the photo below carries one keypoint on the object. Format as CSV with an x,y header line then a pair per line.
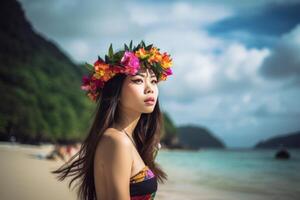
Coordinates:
x,y
236,64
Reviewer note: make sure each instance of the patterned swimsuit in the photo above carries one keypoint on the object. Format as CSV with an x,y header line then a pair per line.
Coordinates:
x,y
143,185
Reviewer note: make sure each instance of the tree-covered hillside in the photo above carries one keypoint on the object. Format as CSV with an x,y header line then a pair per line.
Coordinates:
x,y
194,137
169,136
290,140
40,86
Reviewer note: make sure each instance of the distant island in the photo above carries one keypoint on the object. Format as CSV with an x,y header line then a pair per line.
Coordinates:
x,y
194,137
291,140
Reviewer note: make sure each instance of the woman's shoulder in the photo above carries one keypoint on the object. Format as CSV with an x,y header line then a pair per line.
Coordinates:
x,y
113,138
113,145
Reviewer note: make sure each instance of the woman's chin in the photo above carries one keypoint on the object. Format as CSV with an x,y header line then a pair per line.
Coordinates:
x,y
148,110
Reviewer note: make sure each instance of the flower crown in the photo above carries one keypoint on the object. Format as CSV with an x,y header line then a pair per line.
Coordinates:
x,y
127,61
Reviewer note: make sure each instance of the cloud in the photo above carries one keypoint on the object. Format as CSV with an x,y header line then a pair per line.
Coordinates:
x,y
284,62
204,72
259,19
227,79
258,24
178,13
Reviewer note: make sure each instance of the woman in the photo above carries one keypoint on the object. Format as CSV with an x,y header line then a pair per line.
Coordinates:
x,y
117,159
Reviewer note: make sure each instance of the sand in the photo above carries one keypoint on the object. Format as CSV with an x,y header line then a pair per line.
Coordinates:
x,y
26,177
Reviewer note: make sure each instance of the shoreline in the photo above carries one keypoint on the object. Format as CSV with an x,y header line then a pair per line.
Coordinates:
x,y
26,177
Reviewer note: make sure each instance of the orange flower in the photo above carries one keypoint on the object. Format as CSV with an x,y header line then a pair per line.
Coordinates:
x,y
99,65
155,55
163,77
141,53
154,50
92,96
166,61
100,69
106,77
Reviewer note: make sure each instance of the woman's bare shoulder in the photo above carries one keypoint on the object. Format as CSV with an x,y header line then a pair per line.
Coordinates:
x,y
112,135
113,139
112,167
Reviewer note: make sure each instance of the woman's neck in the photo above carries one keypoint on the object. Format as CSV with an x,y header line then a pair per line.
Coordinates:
x,y
128,121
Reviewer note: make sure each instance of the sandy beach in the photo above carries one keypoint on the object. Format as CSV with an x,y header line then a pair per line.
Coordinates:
x,y
26,177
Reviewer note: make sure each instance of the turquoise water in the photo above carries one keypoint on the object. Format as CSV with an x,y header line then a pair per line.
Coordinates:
x,y
235,172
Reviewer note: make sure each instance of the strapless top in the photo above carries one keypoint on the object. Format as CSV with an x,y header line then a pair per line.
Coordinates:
x,y
143,185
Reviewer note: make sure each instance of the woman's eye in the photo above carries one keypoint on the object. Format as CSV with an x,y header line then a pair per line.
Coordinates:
x,y
137,80
140,80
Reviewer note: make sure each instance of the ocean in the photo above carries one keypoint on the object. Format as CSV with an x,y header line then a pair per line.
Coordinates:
x,y
230,174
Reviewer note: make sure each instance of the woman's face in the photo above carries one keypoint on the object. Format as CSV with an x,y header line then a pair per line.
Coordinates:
x,y
136,89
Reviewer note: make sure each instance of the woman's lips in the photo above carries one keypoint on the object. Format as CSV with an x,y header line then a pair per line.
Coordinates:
x,y
150,99
149,102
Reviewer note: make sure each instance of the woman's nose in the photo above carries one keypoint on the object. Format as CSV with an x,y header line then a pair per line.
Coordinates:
x,y
148,88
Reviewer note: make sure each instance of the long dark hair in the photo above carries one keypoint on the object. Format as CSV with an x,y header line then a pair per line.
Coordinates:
x,y
146,135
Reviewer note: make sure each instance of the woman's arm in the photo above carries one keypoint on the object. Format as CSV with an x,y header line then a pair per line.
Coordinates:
x,y
117,162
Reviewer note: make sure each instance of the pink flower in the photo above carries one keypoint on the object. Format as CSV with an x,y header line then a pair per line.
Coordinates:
x,y
85,87
85,80
168,72
99,83
131,63
85,83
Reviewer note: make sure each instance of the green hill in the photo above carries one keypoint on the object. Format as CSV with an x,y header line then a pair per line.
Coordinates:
x,y
291,140
40,87
169,135
193,137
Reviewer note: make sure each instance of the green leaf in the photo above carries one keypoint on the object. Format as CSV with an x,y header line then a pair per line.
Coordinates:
x,y
89,66
149,47
126,47
99,58
107,59
159,68
119,55
147,57
138,46
130,45
110,51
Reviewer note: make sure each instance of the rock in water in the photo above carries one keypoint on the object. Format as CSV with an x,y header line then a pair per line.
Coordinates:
x,y
282,154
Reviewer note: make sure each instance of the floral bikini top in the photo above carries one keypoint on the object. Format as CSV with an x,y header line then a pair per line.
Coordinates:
x,y
143,185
